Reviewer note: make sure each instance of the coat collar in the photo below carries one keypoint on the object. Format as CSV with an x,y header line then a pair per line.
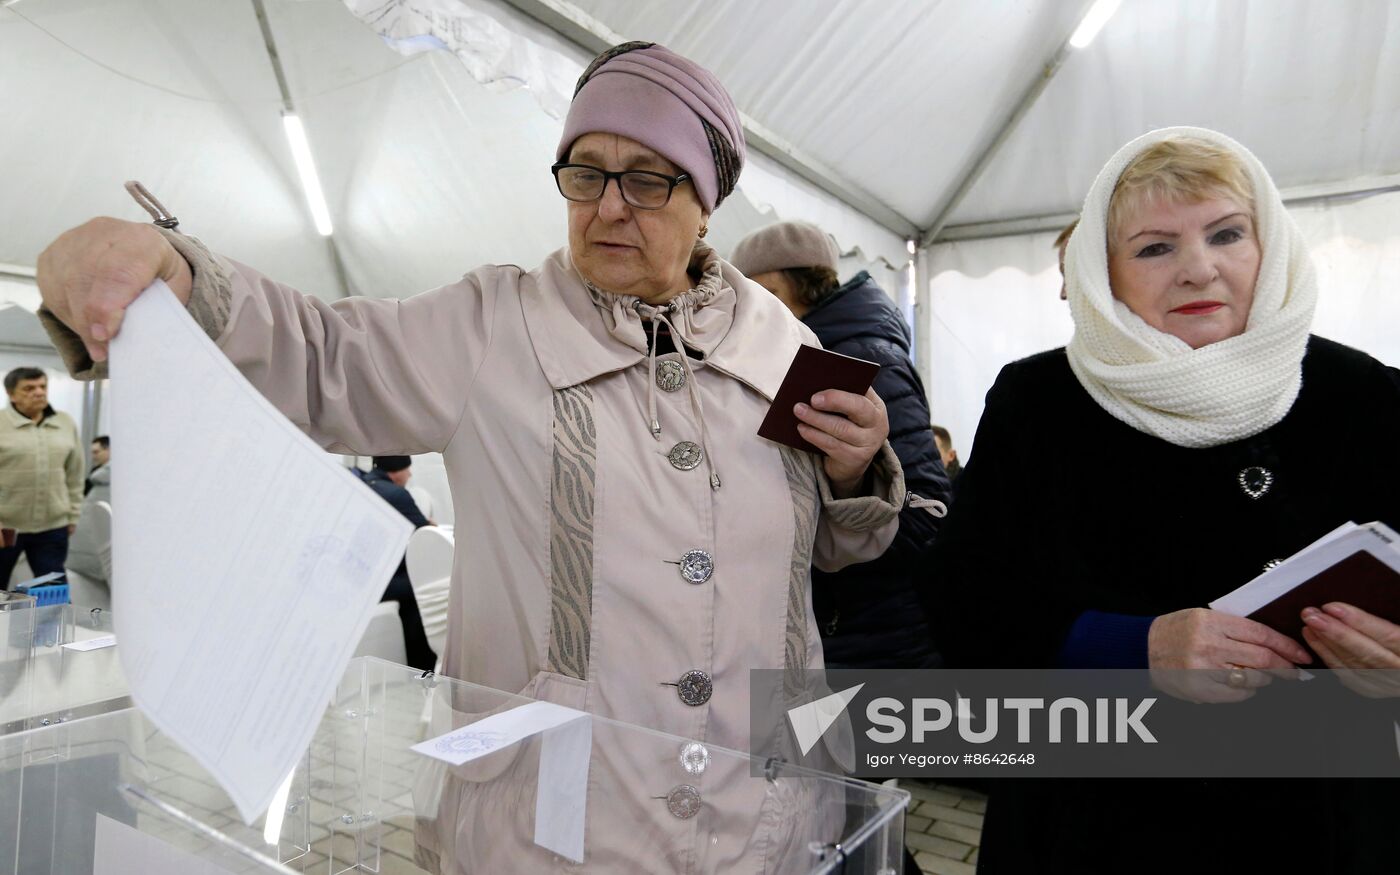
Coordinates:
x,y
15,419
580,334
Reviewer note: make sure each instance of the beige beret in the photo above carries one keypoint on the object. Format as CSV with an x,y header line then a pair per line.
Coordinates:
x,y
785,245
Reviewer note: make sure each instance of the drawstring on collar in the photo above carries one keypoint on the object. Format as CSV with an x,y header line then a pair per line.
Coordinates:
x,y
932,505
658,316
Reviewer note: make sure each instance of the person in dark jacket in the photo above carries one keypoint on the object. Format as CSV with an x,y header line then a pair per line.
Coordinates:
x,y
101,455
943,439
389,479
869,614
1194,381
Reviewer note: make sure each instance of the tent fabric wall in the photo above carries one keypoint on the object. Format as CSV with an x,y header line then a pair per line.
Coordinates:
x,y
991,302
23,292
997,300
904,97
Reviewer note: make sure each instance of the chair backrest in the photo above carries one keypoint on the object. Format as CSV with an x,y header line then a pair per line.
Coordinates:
x,y
429,561
423,498
383,636
101,514
90,547
89,562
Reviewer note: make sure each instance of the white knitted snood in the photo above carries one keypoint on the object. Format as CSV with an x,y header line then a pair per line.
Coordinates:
x,y
1155,382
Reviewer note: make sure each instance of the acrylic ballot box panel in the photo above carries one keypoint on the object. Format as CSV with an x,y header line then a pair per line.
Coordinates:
x,y
53,665
109,795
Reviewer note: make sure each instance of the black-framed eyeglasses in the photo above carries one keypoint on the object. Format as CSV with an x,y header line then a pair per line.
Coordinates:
x,y
643,189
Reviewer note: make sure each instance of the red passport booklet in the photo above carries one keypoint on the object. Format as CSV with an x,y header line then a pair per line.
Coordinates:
x,y
813,370
1359,565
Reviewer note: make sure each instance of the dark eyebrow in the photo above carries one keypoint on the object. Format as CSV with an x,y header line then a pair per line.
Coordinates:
x,y
638,162
1157,233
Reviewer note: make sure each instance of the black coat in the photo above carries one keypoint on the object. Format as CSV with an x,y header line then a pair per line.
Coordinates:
x,y
869,614
1063,508
402,501
397,496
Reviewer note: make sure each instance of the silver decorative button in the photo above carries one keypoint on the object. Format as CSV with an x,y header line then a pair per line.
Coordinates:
x,y
1255,481
695,688
683,801
697,566
670,376
685,455
695,758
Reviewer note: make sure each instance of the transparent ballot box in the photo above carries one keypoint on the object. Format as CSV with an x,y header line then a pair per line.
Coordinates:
x,y
53,665
109,794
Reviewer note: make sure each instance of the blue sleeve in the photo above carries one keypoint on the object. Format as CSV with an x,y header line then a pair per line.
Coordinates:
x,y
1098,639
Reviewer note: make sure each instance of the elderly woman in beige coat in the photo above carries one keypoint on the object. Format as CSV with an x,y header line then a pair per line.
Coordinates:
x,y
627,544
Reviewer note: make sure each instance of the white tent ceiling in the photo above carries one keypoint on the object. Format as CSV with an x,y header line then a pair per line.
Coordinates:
x,y
904,97
429,172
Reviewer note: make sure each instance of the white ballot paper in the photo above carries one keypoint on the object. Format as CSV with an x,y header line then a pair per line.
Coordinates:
x,y
561,792
97,643
250,559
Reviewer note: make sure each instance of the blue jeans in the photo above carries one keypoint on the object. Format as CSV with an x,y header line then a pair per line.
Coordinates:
x,y
46,552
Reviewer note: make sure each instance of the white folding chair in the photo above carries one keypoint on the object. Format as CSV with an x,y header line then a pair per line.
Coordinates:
x,y
95,534
430,572
384,635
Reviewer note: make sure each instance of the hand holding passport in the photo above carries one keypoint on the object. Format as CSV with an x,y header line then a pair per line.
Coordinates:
x,y
1358,565
813,370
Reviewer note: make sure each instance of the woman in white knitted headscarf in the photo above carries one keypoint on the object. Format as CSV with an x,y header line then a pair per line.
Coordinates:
x,y
1190,405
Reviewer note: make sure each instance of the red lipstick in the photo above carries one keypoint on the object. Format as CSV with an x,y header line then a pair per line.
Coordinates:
x,y
1198,308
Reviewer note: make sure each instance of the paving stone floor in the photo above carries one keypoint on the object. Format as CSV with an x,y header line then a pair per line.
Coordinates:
x,y
943,827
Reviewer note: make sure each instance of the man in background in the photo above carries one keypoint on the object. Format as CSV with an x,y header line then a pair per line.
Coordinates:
x,y
946,452
101,455
41,475
90,545
389,479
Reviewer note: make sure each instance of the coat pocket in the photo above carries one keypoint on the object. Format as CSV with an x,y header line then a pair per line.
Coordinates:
x,y
548,686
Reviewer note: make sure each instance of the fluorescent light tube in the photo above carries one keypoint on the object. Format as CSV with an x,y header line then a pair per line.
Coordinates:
x,y
306,168
1094,20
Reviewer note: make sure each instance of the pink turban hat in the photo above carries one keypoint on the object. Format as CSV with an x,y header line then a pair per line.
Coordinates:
x,y
672,105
